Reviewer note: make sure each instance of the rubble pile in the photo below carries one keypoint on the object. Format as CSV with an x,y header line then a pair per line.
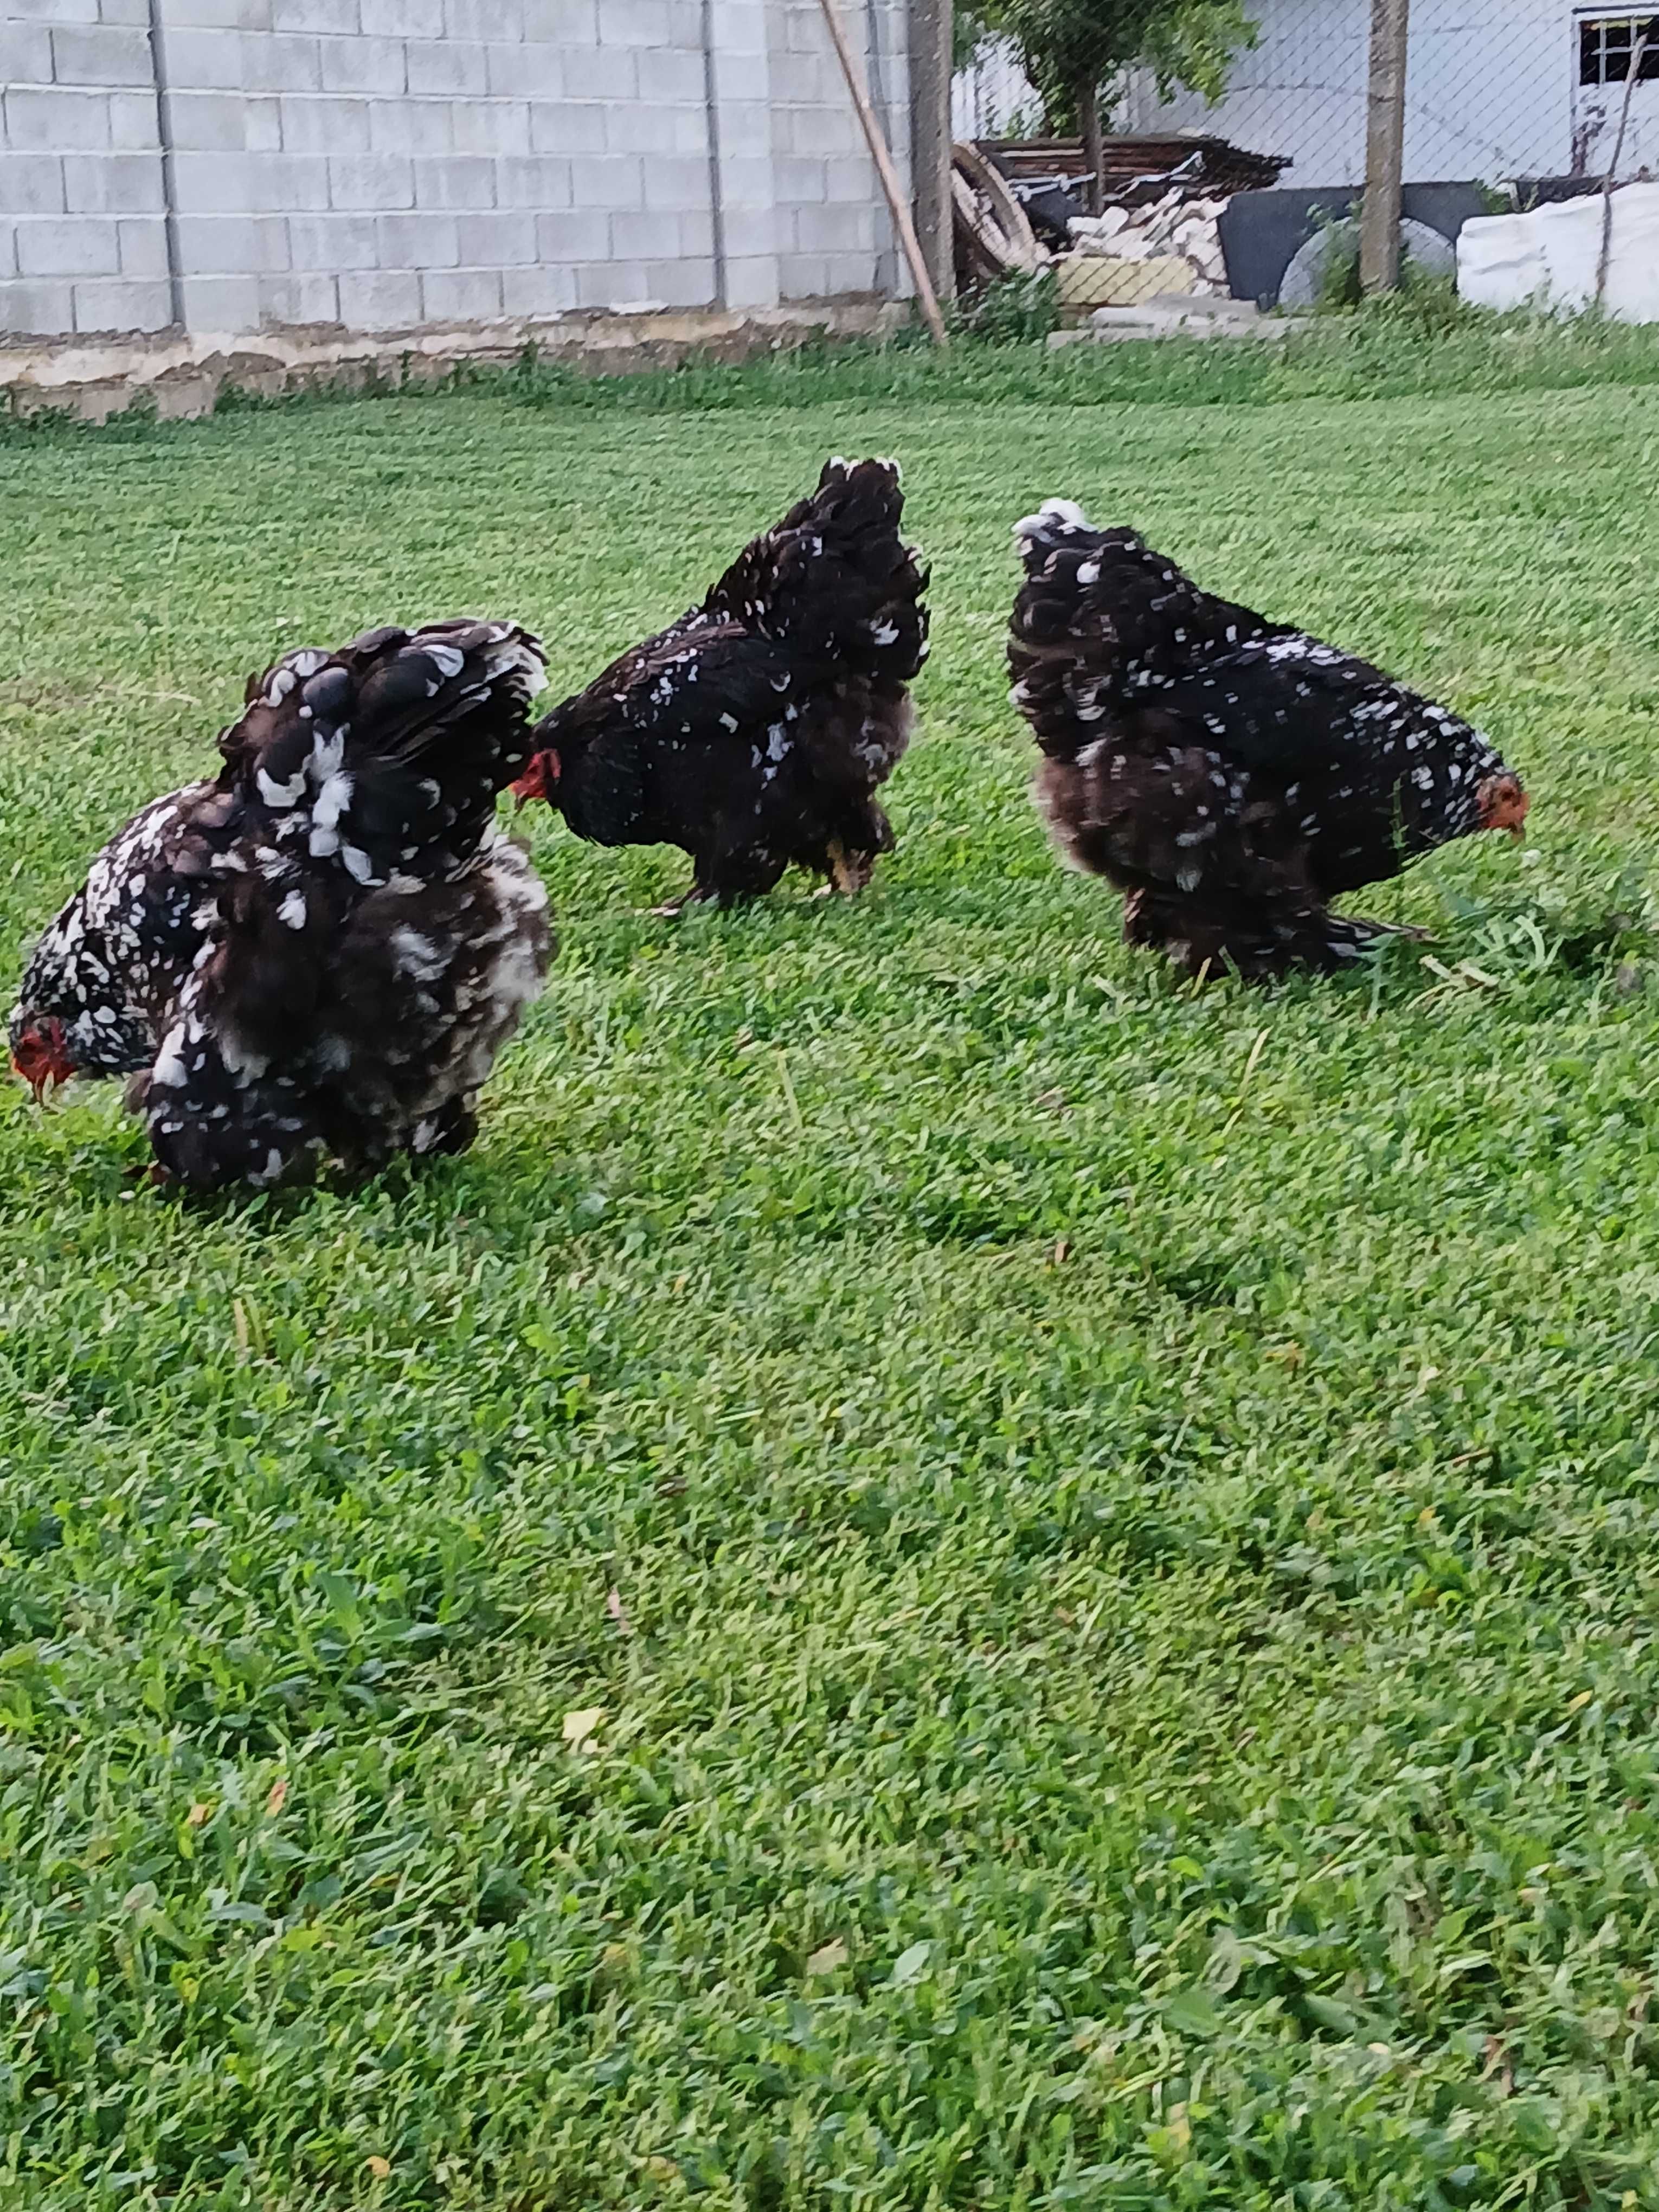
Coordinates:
x,y
1175,227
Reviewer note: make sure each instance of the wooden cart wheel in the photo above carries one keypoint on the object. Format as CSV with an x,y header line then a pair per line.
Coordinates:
x,y
991,225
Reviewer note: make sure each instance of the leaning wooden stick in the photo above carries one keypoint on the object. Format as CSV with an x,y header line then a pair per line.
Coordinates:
x,y
889,182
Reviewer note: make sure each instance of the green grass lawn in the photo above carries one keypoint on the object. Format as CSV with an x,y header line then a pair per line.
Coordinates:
x,y
1131,1678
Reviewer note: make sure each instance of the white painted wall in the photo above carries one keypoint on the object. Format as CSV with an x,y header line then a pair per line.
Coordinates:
x,y
1492,93
386,163
1490,90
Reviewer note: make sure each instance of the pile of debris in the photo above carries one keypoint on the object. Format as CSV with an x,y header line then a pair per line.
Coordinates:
x,y
1021,206
1174,227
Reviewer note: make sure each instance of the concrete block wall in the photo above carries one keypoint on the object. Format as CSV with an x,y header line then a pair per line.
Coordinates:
x,y
385,164
82,226
833,232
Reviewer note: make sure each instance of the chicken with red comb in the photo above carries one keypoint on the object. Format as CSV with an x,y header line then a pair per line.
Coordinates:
x,y
317,953
755,730
1231,775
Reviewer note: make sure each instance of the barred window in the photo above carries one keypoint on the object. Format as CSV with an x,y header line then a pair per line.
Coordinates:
x,y
1606,44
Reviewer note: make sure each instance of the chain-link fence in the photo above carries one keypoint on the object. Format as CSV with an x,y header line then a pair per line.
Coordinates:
x,y
1508,104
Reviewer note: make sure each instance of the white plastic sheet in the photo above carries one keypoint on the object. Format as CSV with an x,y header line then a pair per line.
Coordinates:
x,y
1548,258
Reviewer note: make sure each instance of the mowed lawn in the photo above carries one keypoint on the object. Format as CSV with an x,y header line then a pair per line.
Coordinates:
x,y
943,1573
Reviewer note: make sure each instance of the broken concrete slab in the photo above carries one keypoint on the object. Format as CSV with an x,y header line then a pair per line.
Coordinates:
x,y
181,376
1179,314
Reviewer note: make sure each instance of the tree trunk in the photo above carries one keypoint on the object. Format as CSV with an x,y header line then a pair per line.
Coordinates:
x,y
1087,97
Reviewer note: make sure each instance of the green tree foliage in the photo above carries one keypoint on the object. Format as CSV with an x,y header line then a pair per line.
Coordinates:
x,y
1073,51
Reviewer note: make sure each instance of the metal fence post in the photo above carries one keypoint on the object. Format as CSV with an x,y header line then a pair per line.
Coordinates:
x,y
1385,143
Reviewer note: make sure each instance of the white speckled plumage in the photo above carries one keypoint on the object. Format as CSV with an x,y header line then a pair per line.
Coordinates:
x,y
1147,696
320,952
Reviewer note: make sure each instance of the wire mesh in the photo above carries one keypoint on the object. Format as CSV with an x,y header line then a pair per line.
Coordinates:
x,y
1509,104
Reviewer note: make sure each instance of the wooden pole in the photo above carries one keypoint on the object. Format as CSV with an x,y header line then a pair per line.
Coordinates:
x,y
1385,144
885,169
930,141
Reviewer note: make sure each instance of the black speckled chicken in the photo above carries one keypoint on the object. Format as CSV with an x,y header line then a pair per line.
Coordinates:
x,y
755,733
1231,775
318,954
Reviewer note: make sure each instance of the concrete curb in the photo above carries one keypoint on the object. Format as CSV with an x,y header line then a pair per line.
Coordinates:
x,y
181,376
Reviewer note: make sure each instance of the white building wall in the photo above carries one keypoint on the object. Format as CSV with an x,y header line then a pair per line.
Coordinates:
x,y
1489,90
386,163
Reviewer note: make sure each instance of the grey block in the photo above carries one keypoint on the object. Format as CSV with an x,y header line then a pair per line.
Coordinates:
x,y
461,296
333,242
227,304
579,234
339,16
633,23
608,180
490,126
233,245
32,184
371,181
215,184
460,181
538,291
205,60
747,182
403,19
667,76
25,54
209,122
285,61
488,19
686,282
363,65
803,276
124,11
67,245
111,183
738,27
449,67
527,69
296,183
751,280
313,299
568,126
143,244
424,240
571,22
411,126
216,15
750,233
381,300
35,310
847,227
637,126
56,122
100,53
849,177
676,181
335,127
497,239
262,124
800,183
533,181
601,72
132,121
746,131
52,11
612,284
118,303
